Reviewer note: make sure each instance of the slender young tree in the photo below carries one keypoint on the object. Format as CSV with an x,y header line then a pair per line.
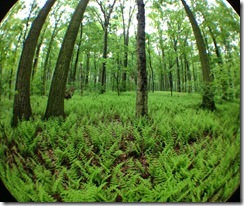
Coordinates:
x,y
126,29
142,92
208,94
105,24
22,107
55,104
49,48
77,56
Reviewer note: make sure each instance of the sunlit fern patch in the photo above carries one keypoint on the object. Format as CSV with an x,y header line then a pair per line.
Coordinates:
x,y
101,153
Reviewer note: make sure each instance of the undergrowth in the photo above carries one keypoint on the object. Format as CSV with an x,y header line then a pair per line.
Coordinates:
x,y
102,153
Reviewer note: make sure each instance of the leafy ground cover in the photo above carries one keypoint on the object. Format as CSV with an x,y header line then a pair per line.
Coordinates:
x,y
102,153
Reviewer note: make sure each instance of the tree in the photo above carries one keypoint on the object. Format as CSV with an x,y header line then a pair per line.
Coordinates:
x,y
22,107
141,93
150,63
126,29
49,47
208,94
55,104
73,75
105,23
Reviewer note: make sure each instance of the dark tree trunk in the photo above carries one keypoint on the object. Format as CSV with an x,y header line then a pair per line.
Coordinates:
x,y
22,107
142,93
126,43
87,68
171,83
177,66
208,93
81,80
124,75
105,25
55,104
188,74
150,65
77,55
105,51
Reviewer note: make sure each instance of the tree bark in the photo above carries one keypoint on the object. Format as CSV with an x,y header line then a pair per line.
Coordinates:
x,y
150,65
126,30
55,104
77,55
208,93
88,55
177,66
22,107
142,93
105,42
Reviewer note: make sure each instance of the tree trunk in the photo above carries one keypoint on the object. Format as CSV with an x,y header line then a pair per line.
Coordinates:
x,y
126,43
105,25
105,51
142,93
208,93
55,104
177,66
188,73
150,65
77,55
22,107
81,80
87,68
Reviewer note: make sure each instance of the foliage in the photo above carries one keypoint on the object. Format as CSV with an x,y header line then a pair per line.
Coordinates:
x,y
101,153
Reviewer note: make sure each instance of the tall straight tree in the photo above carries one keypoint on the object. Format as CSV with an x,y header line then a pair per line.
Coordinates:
x,y
208,94
105,23
55,104
141,93
126,29
22,107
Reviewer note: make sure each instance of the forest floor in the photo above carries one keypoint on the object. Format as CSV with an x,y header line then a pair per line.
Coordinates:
x,y
102,153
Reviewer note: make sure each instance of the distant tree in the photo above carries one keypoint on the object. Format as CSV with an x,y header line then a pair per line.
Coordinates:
x,y
22,107
55,104
150,63
141,93
106,11
208,93
126,29
73,74
55,30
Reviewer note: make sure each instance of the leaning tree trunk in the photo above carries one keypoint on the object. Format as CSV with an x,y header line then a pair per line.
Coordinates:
x,y
208,93
55,104
22,107
142,93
